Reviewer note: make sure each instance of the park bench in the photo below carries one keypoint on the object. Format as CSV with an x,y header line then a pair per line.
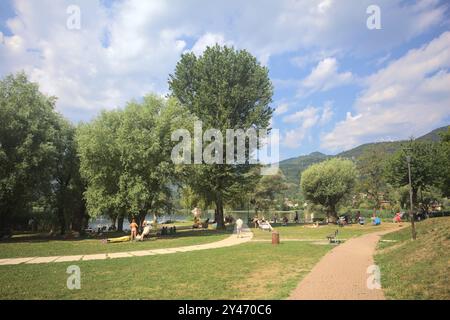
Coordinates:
x,y
332,238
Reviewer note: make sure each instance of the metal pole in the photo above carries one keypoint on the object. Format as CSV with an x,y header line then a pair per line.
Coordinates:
x,y
411,212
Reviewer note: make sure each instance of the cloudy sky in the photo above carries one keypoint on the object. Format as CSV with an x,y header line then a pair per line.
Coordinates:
x,y
337,83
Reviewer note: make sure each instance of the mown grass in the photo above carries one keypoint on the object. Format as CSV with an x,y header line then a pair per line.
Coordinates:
x,y
417,269
248,271
296,231
41,247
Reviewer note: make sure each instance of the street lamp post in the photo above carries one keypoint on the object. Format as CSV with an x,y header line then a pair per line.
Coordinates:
x,y
411,212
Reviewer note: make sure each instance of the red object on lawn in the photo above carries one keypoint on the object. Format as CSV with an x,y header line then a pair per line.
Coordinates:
x,y
275,237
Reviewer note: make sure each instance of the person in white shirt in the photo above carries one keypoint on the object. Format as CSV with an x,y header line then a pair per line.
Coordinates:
x,y
147,227
239,224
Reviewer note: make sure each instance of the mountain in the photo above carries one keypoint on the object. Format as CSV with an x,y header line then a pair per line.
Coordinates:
x,y
434,135
390,146
293,167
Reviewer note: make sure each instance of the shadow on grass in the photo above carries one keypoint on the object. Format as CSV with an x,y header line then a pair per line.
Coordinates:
x,y
182,232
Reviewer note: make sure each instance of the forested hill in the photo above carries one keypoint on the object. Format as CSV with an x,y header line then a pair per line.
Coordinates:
x,y
292,167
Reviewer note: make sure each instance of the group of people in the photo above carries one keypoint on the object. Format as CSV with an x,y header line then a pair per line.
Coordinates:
x,y
261,223
359,219
165,231
285,219
135,235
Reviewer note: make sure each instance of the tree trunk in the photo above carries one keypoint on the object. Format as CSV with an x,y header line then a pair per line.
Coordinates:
x,y
219,213
141,217
62,221
5,227
120,223
78,219
332,215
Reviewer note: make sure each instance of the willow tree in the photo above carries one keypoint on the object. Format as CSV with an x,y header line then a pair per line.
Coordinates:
x,y
29,129
225,89
126,158
328,182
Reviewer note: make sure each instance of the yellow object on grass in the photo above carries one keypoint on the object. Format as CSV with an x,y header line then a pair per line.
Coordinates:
x,y
120,239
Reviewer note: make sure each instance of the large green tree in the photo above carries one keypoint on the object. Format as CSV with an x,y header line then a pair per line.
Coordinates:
x,y
225,89
328,182
267,190
427,167
371,165
28,146
66,197
126,158
445,160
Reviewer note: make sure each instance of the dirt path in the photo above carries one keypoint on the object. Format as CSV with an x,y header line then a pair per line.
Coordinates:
x,y
342,273
232,240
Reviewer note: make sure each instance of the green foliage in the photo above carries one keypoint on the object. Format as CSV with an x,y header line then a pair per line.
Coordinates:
x,y
225,89
266,191
126,158
371,166
416,269
29,139
328,182
445,154
427,166
293,167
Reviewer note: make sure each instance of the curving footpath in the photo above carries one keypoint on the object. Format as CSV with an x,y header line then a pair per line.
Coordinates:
x,y
233,240
342,274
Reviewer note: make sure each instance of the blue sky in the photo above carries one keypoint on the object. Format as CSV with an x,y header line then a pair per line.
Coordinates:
x,y
337,83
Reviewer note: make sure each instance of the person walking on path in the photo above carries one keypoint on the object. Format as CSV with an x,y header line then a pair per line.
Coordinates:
x,y
239,224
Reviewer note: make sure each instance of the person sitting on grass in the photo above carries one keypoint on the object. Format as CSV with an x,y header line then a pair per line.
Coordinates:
x,y
147,227
376,221
362,221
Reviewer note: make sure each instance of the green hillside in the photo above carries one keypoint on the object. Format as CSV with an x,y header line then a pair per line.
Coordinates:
x,y
293,167
416,270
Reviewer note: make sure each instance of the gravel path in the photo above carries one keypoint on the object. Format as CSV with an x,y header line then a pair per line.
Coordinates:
x,y
233,240
342,273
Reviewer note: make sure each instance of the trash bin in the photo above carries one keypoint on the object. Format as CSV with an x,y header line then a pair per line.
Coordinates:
x,y
275,237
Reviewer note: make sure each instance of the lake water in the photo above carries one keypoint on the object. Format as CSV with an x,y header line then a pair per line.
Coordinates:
x,y
105,221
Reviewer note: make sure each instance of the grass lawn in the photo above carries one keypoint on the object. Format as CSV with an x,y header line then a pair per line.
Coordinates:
x,y
417,269
296,231
254,270
32,246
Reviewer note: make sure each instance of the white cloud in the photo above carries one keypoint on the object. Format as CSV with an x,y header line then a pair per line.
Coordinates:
x,y
146,38
406,98
305,120
323,77
281,109
309,114
209,40
327,113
